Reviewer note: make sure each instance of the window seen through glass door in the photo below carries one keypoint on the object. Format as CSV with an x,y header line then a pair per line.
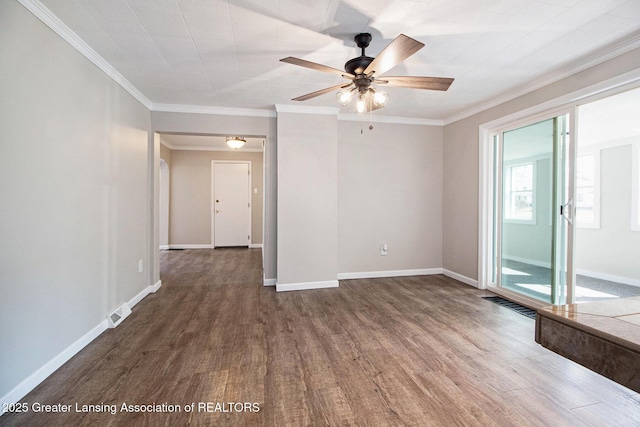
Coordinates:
x,y
520,197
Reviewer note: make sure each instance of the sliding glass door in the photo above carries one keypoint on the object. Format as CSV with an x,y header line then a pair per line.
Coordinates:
x,y
532,209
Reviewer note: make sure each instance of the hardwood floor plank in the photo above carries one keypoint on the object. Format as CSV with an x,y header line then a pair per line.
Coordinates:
x,y
329,407
287,405
538,408
421,350
443,392
602,414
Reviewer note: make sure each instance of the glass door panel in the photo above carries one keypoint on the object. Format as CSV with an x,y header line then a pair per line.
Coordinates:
x,y
532,238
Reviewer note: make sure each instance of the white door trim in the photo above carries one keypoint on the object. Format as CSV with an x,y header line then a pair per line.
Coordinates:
x,y
213,208
164,205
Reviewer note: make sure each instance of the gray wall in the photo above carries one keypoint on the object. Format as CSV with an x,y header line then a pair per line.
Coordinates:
x,y
613,248
461,161
307,198
75,206
389,192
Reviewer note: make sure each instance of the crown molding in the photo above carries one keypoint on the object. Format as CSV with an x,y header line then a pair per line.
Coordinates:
x,y
611,52
282,108
202,148
203,109
390,119
52,21
299,109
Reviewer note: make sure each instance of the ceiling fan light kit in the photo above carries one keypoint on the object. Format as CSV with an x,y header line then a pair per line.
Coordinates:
x,y
362,72
345,97
235,142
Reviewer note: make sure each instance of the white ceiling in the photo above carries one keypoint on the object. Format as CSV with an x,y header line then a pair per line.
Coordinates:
x,y
225,53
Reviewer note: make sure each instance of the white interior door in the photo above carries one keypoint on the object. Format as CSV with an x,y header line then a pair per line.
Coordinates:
x,y
231,204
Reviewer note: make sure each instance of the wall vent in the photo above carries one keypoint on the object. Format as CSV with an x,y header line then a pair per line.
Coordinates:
x,y
118,315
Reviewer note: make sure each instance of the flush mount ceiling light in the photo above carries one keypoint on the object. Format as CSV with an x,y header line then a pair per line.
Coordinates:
x,y
235,142
365,71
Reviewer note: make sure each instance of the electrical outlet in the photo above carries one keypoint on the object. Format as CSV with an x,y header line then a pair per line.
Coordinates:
x,y
383,250
140,266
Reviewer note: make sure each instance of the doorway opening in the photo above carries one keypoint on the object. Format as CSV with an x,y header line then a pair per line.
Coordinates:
x,y
607,237
190,159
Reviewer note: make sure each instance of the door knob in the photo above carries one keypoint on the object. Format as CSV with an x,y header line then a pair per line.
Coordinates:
x,y
217,211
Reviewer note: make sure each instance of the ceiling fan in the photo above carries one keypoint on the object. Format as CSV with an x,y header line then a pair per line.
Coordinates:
x,y
364,71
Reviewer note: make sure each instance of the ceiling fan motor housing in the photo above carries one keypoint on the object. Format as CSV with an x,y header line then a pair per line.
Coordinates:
x,y
357,65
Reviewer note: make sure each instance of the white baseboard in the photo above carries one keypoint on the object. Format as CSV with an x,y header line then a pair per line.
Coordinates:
x,y
545,264
251,246
306,285
608,277
190,246
460,278
143,293
390,273
164,247
136,299
151,289
268,282
33,380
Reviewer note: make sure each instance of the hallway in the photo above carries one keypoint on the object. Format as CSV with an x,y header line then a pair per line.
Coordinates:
x,y
423,350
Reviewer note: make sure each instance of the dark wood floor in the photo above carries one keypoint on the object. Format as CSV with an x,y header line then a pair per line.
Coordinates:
x,y
418,351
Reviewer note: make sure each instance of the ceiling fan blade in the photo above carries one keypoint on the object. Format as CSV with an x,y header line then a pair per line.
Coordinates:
x,y
316,66
431,83
321,92
397,51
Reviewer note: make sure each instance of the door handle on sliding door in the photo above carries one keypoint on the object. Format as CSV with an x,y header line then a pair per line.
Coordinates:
x,y
565,211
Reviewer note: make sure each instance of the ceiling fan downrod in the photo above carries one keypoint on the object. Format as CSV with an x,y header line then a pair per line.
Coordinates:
x,y
357,65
